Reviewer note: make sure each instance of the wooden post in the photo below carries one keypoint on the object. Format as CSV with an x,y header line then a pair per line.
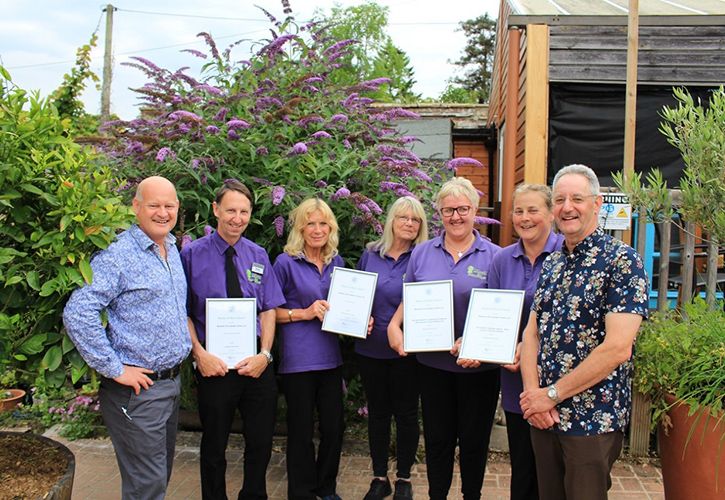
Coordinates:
x,y
666,232
537,103
688,263
630,108
712,248
107,66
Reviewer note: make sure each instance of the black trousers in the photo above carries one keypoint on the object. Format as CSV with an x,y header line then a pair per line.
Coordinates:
x,y
391,389
256,400
458,408
523,463
309,476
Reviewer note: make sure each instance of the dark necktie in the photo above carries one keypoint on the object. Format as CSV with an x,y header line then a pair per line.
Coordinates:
x,y
233,288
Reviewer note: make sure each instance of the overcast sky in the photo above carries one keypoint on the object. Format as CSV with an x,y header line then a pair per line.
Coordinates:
x,y
39,38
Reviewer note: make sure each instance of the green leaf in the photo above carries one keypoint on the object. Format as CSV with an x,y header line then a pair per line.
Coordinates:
x,y
32,189
48,288
67,344
55,378
77,373
33,279
15,279
34,344
52,358
85,267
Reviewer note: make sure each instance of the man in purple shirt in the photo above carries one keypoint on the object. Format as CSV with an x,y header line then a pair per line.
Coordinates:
x,y
251,386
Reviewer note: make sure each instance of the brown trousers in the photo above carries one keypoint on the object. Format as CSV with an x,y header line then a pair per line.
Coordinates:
x,y
575,467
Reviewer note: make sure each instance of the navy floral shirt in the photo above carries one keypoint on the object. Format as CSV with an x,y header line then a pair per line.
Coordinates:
x,y
576,290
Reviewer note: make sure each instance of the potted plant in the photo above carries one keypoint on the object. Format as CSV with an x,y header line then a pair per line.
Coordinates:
x,y
10,395
680,365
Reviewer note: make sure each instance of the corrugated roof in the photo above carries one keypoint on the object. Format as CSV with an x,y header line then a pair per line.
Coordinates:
x,y
616,7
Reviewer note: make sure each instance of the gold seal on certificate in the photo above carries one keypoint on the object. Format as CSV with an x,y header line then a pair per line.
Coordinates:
x,y
351,301
428,316
231,329
492,325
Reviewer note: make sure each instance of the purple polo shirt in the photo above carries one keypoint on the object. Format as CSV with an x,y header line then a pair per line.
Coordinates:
x,y
203,262
388,294
512,270
430,261
303,345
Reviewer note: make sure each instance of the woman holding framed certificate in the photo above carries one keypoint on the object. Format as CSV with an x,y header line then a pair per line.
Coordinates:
x,y
389,380
517,267
458,403
310,358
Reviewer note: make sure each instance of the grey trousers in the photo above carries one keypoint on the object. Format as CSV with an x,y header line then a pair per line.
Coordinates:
x,y
143,432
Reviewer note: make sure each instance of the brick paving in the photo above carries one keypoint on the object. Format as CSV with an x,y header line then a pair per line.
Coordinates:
x,y
97,476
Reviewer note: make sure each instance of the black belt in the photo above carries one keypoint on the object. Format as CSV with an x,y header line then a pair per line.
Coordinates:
x,y
164,374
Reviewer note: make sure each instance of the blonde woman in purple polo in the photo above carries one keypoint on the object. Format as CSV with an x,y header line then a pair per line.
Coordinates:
x,y
458,403
310,359
390,380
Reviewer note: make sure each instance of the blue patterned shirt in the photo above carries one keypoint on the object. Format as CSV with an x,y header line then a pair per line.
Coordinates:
x,y
576,291
144,297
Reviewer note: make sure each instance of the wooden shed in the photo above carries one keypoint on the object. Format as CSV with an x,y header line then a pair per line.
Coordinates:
x,y
558,85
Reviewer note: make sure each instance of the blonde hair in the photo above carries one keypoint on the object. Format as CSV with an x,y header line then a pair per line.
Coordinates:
x,y
400,205
543,190
459,186
298,219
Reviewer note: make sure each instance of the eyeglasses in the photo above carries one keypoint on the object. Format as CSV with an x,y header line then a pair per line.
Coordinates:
x,y
462,210
575,199
405,219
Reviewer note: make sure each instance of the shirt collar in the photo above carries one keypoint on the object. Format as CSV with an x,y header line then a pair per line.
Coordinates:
x,y
586,244
221,244
478,242
143,239
552,245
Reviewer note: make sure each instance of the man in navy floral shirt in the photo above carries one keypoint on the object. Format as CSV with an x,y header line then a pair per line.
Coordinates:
x,y
576,359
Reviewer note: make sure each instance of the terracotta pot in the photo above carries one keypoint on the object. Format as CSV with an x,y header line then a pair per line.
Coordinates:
x,y
689,465
8,404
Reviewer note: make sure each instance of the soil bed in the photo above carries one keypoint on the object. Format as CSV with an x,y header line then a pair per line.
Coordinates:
x,y
28,467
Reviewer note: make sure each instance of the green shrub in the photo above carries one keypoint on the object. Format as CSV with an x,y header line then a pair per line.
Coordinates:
x,y
57,207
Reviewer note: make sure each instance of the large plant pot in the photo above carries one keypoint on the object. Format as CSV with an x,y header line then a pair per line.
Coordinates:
x,y
10,403
62,487
690,456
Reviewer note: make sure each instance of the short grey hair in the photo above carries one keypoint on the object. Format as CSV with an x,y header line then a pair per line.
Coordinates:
x,y
582,170
458,186
401,205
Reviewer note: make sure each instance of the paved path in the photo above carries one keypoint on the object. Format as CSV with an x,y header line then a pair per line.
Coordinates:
x,y
97,476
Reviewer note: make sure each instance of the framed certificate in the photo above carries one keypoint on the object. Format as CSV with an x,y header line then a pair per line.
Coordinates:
x,y
492,325
231,329
351,301
428,316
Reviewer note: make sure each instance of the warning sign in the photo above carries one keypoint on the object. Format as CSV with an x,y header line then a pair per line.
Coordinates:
x,y
616,211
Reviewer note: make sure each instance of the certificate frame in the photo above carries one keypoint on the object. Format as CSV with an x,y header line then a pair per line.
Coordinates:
x,y
220,340
350,307
503,325
438,328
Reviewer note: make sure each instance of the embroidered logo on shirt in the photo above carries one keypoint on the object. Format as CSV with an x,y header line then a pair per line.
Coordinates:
x,y
253,277
476,273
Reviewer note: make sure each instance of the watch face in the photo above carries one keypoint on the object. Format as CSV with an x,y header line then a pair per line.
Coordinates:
x,y
552,393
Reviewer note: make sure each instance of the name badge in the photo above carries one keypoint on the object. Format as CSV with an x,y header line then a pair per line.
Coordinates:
x,y
258,268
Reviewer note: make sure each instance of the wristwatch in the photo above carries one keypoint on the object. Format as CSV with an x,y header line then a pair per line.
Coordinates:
x,y
553,393
267,355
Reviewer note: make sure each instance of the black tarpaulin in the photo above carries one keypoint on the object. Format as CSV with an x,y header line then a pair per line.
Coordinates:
x,y
586,125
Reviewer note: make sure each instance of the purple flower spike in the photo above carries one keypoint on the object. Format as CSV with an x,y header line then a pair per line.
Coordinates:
x,y
340,194
279,225
299,148
185,240
213,130
185,116
320,184
278,193
235,124
462,161
163,154
262,151
221,114
208,230
485,220
339,117
232,135
321,135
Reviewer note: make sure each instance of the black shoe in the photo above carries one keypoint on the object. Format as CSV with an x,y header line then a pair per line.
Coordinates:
x,y
379,489
403,490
